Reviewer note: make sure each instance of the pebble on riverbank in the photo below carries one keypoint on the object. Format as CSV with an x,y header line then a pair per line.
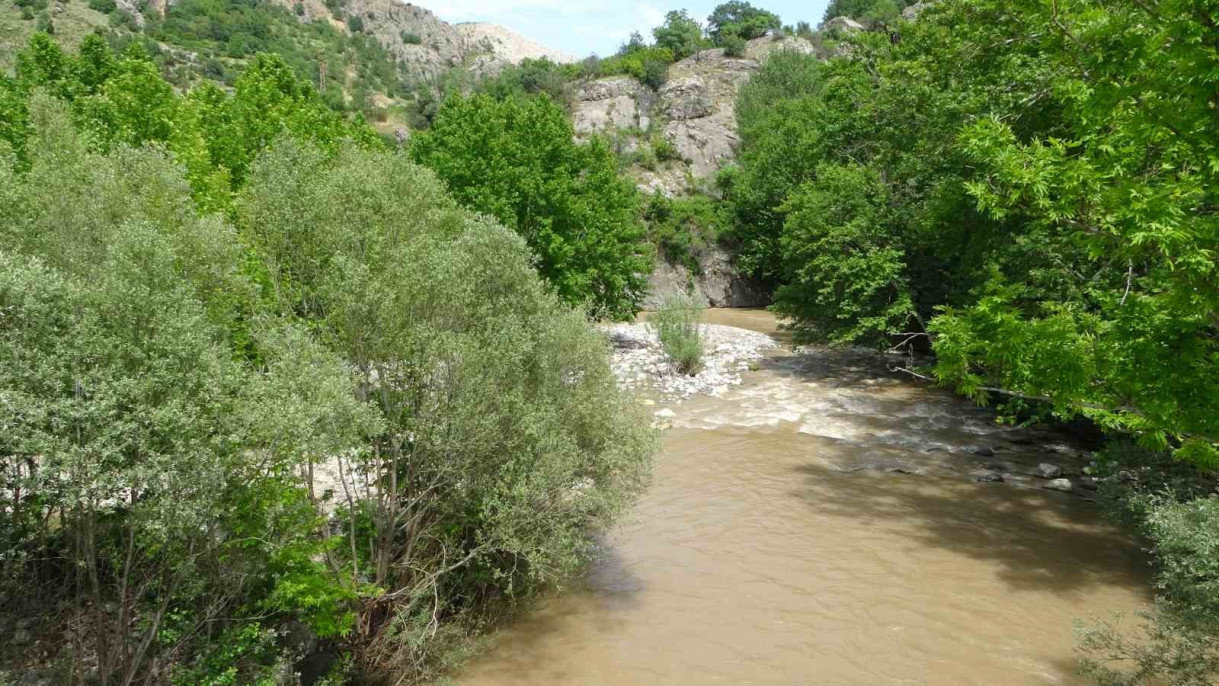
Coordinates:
x,y
640,363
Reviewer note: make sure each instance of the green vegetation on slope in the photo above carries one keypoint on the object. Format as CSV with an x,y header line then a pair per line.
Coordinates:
x,y
267,375
213,40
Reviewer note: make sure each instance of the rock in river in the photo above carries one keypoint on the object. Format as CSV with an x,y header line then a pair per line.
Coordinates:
x,y
1063,485
1046,470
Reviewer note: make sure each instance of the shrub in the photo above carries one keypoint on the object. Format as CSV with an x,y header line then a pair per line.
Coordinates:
x,y
411,38
355,24
682,227
655,72
734,45
125,20
124,306
1177,642
299,9
530,77
676,325
103,6
634,61
497,400
665,149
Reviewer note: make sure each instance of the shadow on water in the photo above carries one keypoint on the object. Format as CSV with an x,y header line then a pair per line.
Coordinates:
x,y
1042,541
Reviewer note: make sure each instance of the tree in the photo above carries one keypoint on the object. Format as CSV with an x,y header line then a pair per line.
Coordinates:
x,y
680,34
498,402
150,481
869,11
739,18
516,160
847,281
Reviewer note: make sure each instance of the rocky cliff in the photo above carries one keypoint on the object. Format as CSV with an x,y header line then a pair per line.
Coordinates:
x,y
426,45
695,111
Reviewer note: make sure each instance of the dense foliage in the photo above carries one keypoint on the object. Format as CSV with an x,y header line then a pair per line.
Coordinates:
x,y
517,161
503,440
1026,190
343,405
123,100
680,35
213,40
870,11
980,176
238,29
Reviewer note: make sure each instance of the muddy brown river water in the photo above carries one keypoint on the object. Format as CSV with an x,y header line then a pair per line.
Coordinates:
x,y
820,524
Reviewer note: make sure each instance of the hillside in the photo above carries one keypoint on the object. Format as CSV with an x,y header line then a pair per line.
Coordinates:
x,y
371,56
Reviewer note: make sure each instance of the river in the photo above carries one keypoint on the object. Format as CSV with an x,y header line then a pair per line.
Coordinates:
x,y
821,524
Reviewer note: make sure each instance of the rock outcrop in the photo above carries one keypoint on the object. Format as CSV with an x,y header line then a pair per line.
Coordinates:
x,y
842,25
718,284
612,104
479,47
911,13
507,46
695,110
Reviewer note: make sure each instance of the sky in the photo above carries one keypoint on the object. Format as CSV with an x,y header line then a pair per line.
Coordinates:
x,y
583,27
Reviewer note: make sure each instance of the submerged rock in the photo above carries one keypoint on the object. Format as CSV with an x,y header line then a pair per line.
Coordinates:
x,y
988,476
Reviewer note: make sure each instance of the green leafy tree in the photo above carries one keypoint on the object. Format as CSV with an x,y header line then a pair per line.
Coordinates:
x,y
170,458
847,283
680,34
870,11
516,160
498,402
739,18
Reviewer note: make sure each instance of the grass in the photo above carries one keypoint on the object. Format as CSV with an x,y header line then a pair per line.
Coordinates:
x,y
676,325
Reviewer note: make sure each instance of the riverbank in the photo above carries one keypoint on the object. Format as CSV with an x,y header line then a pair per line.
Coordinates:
x,y
818,522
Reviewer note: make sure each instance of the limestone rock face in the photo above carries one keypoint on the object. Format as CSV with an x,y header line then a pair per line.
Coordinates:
x,y
719,285
482,48
843,25
695,110
687,98
507,46
614,103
